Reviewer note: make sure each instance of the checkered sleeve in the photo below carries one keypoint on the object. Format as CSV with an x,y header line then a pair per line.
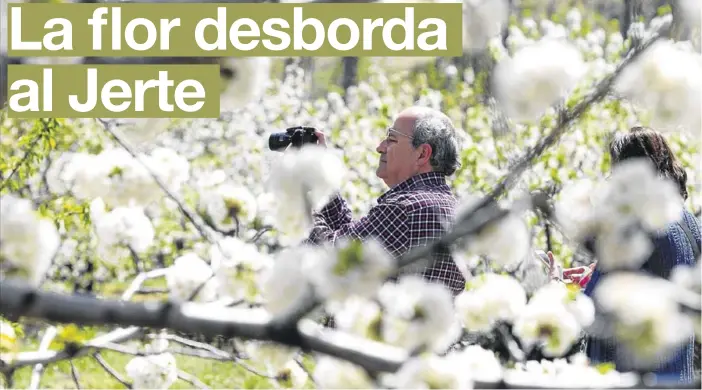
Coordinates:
x,y
334,214
387,223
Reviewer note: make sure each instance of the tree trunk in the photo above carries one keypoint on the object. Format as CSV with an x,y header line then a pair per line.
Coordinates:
x,y
350,72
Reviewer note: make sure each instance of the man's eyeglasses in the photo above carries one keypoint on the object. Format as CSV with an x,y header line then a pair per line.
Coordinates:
x,y
391,130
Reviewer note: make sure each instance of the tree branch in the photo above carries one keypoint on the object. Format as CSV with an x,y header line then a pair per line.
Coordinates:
x,y
21,300
43,357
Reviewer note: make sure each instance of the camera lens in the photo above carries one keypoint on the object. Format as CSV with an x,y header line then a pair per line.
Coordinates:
x,y
278,141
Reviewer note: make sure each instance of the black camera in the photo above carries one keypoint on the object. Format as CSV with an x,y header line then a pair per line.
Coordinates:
x,y
295,136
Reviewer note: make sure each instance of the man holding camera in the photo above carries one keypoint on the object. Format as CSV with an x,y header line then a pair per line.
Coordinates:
x,y
419,151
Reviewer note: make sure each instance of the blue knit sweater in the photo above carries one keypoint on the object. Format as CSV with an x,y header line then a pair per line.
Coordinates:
x,y
670,249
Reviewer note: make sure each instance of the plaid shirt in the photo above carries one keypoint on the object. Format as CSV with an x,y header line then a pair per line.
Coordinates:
x,y
409,215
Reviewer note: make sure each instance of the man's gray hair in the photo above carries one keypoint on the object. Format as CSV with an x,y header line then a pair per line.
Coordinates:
x,y
435,128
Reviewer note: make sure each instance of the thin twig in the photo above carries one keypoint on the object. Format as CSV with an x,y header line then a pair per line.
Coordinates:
x,y
152,290
191,379
74,374
114,347
39,368
260,233
254,371
298,360
137,283
21,162
138,263
45,357
195,344
200,354
111,370
547,232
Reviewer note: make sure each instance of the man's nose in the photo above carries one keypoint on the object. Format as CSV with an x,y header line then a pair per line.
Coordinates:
x,y
381,147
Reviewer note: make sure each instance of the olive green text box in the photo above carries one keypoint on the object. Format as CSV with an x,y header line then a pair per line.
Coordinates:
x,y
246,30
116,91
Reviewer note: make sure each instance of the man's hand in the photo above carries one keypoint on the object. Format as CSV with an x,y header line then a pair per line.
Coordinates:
x,y
321,138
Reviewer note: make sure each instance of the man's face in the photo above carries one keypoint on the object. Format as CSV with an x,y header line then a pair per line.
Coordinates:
x,y
398,158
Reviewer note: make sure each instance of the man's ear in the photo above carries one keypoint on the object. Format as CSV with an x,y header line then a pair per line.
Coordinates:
x,y
425,152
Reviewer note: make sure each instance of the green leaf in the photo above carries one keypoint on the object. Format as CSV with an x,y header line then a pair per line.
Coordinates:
x,y
604,368
573,291
69,334
7,342
349,257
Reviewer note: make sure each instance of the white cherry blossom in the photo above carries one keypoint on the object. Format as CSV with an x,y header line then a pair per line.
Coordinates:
x,y
578,304
152,371
27,241
351,268
666,80
248,82
648,321
482,20
188,273
237,265
226,204
291,376
488,299
482,364
543,73
417,313
563,374
359,316
636,189
432,372
505,242
332,373
284,284
324,175
125,226
549,326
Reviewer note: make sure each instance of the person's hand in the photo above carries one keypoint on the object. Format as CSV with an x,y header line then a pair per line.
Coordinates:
x,y
582,275
579,275
555,271
321,138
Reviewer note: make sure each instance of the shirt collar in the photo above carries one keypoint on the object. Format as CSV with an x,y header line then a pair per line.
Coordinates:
x,y
428,179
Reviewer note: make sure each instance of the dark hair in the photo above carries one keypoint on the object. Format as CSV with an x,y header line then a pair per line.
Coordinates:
x,y
645,142
435,128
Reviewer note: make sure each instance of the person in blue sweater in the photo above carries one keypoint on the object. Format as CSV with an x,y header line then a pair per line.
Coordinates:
x,y
679,244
